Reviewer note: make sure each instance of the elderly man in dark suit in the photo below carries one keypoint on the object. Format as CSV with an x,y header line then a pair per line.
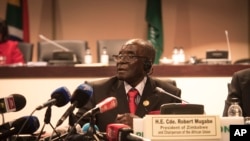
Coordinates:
x,y
134,65
240,88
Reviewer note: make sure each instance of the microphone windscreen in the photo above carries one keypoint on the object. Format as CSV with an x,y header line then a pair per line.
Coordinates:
x,y
113,129
20,101
30,127
86,126
107,104
82,95
62,96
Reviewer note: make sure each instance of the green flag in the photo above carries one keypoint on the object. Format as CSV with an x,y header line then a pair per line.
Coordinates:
x,y
154,20
18,20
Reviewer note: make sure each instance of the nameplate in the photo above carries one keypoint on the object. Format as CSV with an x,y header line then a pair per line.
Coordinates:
x,y
178,127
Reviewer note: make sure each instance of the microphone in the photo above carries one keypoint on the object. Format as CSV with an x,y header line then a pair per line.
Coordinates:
x,y
167,93
79,98
30,127
122,132
5,126
65,55
54,43
86,128
179,108
228,45
92,132
12,103
59,97
105,105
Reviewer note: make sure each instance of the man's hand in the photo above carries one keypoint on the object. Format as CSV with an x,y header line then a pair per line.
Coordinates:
x,y
126,118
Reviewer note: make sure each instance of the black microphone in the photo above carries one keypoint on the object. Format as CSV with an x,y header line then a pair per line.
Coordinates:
x,y
5,126
12,103
122,132
30,127
79,98
59,97
126,134
165,92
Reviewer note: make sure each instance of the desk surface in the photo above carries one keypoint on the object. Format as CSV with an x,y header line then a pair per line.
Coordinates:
x,y
107,71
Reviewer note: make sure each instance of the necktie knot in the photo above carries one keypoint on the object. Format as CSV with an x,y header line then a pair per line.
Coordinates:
x,y
132,93
132,96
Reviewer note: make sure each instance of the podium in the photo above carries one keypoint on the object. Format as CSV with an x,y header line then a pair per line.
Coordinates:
x,y
185,127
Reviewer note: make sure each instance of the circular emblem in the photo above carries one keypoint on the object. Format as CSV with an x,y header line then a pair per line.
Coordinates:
x,y
146,103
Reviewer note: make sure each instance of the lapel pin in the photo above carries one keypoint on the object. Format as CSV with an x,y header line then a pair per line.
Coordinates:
x,y
146,103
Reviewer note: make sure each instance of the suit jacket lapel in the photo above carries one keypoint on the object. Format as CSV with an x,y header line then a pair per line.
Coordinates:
x,y
121,98
148,100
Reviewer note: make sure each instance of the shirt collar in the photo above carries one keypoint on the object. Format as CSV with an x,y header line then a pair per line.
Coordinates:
x,y
139,87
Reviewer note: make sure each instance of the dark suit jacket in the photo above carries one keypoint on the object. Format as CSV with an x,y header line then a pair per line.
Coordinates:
x,y
240,88
114,87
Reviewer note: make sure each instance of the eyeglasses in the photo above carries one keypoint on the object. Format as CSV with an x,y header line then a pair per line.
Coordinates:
x,y
127,57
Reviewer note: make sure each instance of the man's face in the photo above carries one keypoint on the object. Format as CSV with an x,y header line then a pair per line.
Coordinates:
x,y
131,71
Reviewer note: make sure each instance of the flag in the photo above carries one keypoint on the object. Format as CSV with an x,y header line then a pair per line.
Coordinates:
x,y
18,20
154,21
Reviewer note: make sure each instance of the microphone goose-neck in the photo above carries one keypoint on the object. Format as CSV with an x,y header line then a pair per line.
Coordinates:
x,y
64,49
54,43
163,91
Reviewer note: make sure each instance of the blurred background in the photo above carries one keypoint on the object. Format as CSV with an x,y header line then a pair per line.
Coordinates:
x,y
196,25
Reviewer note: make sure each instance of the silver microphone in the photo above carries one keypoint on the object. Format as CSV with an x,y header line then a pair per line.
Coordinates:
x,y
64,49
54,43
228,45
163,91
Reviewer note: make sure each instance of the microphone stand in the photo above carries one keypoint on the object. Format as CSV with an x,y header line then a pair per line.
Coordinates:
x,y
71,127
91,135
47,121
72,121
3,121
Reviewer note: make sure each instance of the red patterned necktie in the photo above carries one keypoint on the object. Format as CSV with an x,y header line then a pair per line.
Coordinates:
x,y
132,96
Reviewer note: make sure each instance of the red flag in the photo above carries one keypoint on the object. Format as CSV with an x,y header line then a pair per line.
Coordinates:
x,y
26,35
